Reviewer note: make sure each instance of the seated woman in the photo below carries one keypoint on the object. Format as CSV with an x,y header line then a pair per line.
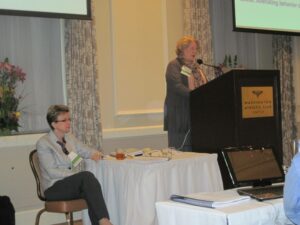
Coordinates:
x,y
61,161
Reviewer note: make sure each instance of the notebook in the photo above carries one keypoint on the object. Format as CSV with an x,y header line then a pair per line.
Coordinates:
x,y
210,199
257,167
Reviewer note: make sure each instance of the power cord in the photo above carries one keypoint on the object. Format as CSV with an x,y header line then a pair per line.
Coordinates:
x,y
184,140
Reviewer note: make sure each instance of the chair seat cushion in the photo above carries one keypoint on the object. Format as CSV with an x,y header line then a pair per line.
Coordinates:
x,y
65,206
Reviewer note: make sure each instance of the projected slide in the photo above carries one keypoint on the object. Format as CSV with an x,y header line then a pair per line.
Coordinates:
x,y
272,15
75,7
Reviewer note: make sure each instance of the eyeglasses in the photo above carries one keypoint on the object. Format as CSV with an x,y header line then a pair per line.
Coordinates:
x,y
63,121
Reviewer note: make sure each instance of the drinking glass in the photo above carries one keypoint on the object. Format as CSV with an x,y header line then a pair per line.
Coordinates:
x,y
171,152
120,154
296,146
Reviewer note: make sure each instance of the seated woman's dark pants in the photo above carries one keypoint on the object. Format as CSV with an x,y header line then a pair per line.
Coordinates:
x,y
81,185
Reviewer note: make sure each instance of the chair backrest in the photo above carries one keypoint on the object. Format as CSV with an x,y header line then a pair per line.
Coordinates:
x,y
35,166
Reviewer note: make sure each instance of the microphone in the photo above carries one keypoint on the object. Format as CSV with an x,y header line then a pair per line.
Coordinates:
x,y
200,61
218,69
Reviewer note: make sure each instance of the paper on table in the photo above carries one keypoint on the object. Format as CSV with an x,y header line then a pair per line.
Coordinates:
x,y
211,200
134,152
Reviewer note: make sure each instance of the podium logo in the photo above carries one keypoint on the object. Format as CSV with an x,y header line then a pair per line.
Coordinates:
x,y
257,102
257,92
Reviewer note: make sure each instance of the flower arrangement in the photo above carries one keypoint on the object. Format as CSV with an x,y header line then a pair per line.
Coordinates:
x,y
10,76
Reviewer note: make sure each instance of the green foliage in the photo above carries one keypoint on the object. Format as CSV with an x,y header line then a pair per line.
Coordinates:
x,y
227,62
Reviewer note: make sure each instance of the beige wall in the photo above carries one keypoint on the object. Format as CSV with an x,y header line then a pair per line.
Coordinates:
x,y
135,41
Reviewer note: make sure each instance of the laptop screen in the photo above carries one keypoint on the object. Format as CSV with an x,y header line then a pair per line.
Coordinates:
x,y
253,166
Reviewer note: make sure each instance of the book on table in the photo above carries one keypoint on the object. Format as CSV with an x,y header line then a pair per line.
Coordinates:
x,y
211,200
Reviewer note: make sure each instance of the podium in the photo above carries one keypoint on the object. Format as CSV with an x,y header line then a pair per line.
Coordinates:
x,y
239,108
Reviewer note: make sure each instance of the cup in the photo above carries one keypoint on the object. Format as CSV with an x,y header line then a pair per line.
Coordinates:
x,y
296,146
171,151
120,154
285,169
165,152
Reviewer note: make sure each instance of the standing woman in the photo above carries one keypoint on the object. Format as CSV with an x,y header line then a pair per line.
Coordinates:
x,y
182,76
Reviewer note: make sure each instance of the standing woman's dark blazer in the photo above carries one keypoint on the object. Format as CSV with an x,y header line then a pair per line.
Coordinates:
x,y
176,109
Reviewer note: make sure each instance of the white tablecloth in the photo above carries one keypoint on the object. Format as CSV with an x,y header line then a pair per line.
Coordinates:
x,y
248,213
131,187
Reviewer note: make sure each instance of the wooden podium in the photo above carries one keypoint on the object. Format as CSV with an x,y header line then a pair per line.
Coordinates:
x,y
239,108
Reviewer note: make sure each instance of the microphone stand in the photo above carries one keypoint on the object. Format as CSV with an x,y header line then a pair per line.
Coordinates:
x,y
218,69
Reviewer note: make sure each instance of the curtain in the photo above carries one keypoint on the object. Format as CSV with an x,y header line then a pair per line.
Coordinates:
x,y
34,44
196,20
282,59
81,81
254,51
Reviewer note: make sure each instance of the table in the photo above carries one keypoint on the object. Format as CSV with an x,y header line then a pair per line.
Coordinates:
x,y
252,212
131,187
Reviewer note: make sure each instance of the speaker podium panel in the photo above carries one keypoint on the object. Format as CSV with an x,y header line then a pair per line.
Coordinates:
x,y
239,108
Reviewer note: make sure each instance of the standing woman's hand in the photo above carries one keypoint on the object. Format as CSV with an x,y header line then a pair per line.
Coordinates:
x,y
191,81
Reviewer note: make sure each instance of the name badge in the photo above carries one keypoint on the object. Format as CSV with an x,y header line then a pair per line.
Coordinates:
x,y
75,159
186,71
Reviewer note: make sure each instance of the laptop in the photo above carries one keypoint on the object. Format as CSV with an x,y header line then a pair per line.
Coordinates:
x,y
257,167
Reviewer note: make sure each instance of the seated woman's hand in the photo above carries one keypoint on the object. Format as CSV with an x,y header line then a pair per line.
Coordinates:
x,y
96,156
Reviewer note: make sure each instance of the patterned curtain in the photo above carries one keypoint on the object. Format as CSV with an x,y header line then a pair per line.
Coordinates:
x,y
197,24
81,81
282,59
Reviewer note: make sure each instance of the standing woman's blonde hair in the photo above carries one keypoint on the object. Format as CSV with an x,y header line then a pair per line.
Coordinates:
x,y
183,43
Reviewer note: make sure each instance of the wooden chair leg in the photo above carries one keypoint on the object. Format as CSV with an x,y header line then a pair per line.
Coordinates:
x,y
69,216
37,219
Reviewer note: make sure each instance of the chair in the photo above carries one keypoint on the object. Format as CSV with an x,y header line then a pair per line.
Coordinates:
x,y
64,206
